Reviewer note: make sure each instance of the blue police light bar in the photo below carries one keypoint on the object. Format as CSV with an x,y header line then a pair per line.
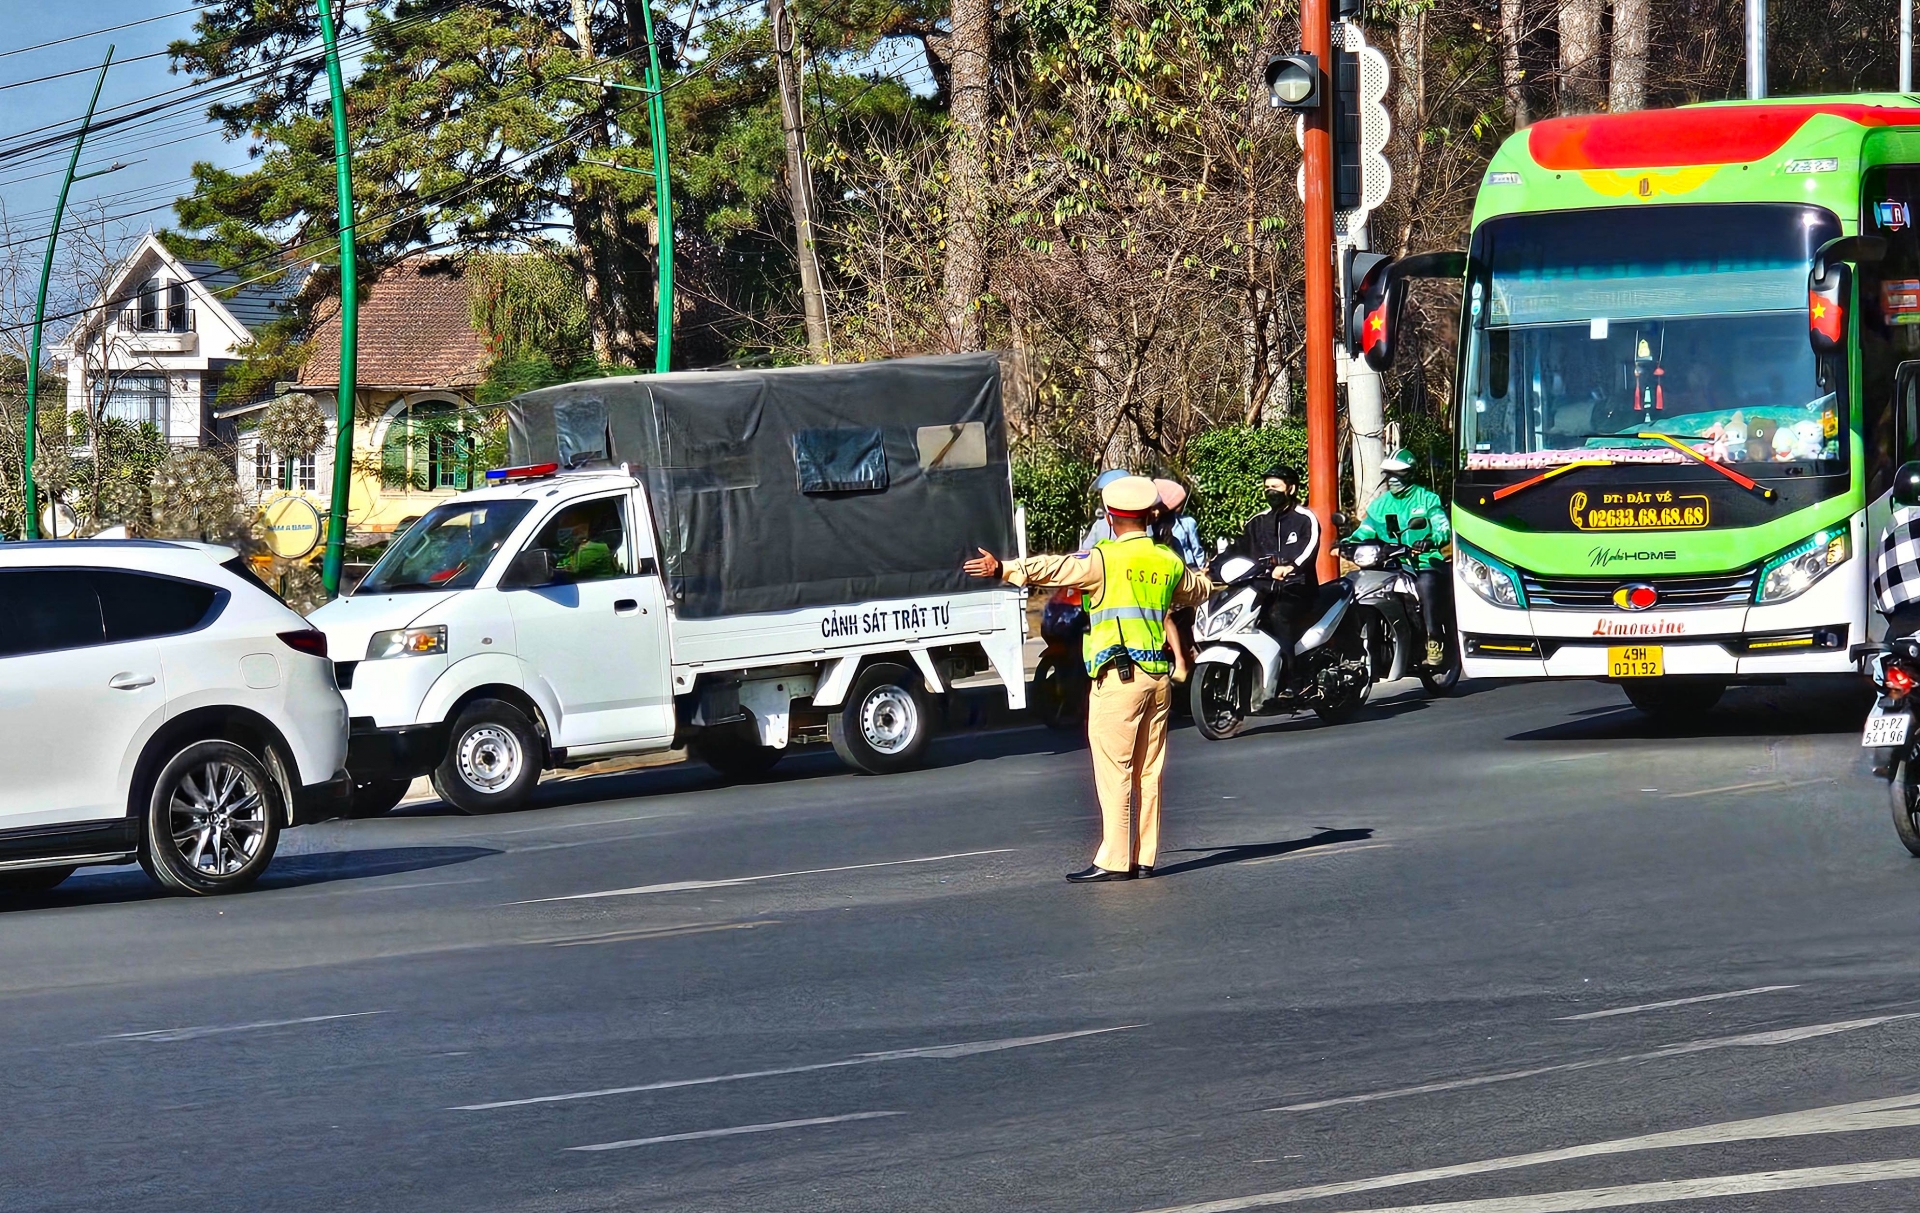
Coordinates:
x,y
532,471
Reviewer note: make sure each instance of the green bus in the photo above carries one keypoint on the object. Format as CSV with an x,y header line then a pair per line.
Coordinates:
x,y
1689,365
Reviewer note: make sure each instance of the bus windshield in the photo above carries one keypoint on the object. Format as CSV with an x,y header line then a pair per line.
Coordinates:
x,y
1590,331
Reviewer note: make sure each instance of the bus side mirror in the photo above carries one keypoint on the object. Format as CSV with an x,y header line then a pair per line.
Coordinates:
x,y
1380,297
1830,288
1906,484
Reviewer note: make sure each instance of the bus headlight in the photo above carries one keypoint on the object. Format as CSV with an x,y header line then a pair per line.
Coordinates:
x,y
1488,578
1792,572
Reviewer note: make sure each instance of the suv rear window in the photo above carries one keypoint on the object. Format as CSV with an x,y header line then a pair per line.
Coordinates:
x,y
51,609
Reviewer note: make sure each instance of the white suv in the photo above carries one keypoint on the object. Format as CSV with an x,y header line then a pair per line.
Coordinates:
x,y
157,704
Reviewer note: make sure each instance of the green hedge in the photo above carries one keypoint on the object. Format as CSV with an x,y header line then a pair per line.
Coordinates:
x,y
1057,491
1223,470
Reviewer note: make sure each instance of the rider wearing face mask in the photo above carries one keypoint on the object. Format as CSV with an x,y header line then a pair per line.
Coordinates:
x,y
1419,519
1290,535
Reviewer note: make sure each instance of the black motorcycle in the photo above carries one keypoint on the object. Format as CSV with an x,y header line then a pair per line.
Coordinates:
x,y
1383,578
1895,670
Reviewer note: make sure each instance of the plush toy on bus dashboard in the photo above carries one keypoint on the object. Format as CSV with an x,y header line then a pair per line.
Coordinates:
x,y
1760,439
1808,441
1734,437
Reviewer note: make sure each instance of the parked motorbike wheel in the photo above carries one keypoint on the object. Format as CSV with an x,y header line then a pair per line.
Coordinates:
x,y
1903,793
1352,639
1441,680
1217,694
1060,691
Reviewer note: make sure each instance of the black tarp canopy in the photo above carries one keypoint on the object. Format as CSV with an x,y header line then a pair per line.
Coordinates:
x,y
799,486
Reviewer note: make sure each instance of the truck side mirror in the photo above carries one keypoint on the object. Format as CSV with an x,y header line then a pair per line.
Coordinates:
x,y
533,567
1906,484
1381,296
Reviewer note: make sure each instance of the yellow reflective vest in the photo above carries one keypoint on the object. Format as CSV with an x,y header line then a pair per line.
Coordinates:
x,y
1138,581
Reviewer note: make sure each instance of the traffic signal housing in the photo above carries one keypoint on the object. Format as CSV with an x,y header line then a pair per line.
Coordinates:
x,y
1293,82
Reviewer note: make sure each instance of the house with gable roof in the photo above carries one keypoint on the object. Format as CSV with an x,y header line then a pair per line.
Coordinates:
x,y
155,344
420,361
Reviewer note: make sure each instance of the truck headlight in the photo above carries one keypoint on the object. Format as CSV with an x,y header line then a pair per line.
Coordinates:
x,y
1792,572
1488,578
408,642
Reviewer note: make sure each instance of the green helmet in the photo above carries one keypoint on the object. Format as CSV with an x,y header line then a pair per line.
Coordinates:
x,y
1398,464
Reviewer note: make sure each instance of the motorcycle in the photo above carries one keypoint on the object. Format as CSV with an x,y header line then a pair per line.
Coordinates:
x,y
1895,670
1383,579
1237,674
1060,683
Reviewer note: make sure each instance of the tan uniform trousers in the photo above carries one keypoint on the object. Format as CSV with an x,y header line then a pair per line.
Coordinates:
x,y
1127,731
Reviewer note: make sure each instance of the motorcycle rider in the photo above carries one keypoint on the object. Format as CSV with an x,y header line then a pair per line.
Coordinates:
x,y
1288,534
1420,519
1896,563
1101,529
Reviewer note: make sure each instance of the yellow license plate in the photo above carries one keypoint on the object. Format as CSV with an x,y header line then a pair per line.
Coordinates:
x,y
1635,661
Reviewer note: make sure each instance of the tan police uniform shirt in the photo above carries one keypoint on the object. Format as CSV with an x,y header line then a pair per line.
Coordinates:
x,y
1085,571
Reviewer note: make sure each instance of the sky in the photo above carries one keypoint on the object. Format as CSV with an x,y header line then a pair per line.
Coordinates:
x,y
30,187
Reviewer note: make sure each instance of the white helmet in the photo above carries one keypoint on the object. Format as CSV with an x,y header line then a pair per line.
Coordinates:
x,y
1398,464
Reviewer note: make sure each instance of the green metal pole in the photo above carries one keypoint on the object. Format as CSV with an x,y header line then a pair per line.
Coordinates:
x,y
663,198
349,318
40,309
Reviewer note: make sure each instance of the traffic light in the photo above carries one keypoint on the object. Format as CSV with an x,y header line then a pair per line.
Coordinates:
x,y
1360,265
1293,82
1361,124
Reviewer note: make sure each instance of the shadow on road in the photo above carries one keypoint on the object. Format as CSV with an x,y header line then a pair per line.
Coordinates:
x,y
113,886
1213,857
1836,705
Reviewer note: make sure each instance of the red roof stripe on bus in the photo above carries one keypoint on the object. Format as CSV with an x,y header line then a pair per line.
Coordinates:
x,y
1672,138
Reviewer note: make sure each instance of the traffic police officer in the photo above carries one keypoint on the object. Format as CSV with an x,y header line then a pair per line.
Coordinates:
x,y
1129,583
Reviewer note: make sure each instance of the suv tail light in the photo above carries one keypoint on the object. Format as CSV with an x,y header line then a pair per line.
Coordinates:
x,y
312,641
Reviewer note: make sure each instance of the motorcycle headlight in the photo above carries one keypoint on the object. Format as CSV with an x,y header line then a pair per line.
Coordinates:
x,y
1367,555
1487,577
407,642
1793,572
1209,623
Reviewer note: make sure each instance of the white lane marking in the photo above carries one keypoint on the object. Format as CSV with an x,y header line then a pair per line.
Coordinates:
x,y
735,1131
1672,1002
1747,787
581,941
682,886
1900,1111
1309,852
1749,1040
173,1034
1677,1189
936,1052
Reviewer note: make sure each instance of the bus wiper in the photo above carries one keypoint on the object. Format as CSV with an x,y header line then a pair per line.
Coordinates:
x,y
1503,493
1745,482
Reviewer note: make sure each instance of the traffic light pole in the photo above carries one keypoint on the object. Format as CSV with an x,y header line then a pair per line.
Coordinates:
x,y
335,558
1323,455
32,496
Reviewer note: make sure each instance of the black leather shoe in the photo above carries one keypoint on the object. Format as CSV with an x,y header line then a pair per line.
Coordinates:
x,y
1097,873
1142,871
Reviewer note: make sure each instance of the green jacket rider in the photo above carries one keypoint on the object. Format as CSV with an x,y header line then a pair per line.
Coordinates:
x,y
1422,515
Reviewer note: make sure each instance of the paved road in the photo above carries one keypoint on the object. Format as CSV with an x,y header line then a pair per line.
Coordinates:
x,y
1454,956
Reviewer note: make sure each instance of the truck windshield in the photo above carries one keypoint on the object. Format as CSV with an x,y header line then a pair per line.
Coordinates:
x,y
1586,329
446,550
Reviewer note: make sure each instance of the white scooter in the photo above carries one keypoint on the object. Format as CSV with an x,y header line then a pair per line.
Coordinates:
x,y
1238,672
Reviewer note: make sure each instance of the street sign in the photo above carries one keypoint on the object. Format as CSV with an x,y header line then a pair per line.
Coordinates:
x,y
292,525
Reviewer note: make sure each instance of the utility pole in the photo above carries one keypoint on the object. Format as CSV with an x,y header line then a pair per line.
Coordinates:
x,y
1323,456
32,498
1757,49
336,554
662,198
799,184
1906,46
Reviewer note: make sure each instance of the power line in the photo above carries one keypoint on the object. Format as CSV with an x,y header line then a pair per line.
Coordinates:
x,y
95,33
77,71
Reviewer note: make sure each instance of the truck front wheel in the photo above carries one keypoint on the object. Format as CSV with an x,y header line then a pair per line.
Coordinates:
x,y
493,759
884,725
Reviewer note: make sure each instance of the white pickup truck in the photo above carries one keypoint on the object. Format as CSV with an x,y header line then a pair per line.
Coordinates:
x,y
536,623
